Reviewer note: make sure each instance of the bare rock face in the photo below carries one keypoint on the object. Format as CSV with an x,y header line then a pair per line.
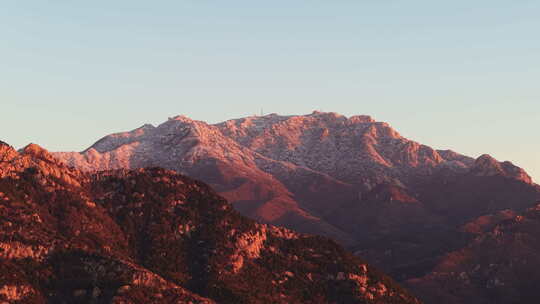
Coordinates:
x,y
6,152
330,143
486,165
154,236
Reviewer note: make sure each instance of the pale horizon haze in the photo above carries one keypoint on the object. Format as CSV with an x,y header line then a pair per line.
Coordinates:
x,y
452,75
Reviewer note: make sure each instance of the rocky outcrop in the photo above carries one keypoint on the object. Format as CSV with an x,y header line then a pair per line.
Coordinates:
x,y
486,165
15,293
249,246
17,250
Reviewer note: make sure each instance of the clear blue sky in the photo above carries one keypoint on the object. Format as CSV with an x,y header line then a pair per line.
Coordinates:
x,y
451,74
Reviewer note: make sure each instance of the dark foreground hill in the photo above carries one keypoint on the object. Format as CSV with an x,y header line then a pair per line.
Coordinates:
x,y
501,265
154,236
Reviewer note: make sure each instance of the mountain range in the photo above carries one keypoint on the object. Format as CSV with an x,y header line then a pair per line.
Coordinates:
x,y
407,208
289,170
154,236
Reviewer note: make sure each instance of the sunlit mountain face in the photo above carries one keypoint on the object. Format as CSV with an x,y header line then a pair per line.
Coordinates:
x,y
154,236
405,207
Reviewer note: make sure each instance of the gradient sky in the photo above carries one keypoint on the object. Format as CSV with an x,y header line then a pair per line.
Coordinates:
x,y
457,74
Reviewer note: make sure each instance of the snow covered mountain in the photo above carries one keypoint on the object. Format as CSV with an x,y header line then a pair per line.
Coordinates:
x,y
395,201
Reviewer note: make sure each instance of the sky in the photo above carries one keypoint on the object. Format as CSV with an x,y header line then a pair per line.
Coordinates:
x,y
460,75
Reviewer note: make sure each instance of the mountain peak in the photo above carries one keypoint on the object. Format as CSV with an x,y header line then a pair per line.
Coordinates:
x,y
32,148
37,151
5,146
147,126
361,119
7,152
181,117
325,114
486,165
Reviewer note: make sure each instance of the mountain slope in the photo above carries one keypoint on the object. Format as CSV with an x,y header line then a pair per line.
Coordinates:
x,y
398,203
154,236
258,186
500,265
